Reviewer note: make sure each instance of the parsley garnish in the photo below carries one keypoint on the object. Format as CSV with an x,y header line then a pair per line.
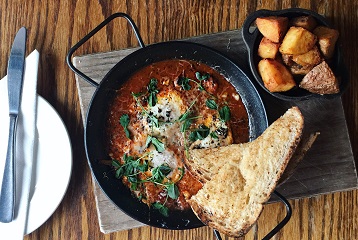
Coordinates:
x,y
161,208
124,121
210,103
159,146
152,90
132,167
224,113
152,118
202,77
199,133
184,83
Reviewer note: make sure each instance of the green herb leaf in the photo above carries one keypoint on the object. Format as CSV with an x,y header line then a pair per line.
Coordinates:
x,y
184,116
173,191
159,146
116,163
137,94
181,173
201,77
152,90
185,126
143,167
152,99
199,133
148,141
224,113
124,121
161,208
184,83
214,135
210,103
119,172
160,172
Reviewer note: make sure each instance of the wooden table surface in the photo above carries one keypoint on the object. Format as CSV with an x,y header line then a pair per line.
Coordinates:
x,y
55,26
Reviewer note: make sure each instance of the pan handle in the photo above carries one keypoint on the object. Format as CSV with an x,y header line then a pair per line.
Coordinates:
x,y
279,226
93,32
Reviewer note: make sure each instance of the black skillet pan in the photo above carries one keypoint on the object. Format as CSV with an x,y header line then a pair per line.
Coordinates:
x,y
119,194
252,40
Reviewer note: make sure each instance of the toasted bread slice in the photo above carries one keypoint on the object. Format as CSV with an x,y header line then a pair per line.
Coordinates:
x,y
240,178
320,80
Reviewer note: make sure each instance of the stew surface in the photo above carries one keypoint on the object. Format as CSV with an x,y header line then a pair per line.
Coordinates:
x,y
162,111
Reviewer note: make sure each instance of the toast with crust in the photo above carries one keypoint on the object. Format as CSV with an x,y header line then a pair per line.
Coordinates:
x,y
239,178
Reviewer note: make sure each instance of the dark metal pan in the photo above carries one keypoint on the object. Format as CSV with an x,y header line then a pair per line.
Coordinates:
x,y
116,191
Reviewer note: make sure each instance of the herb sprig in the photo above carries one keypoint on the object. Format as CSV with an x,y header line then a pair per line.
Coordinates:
x,y
133,167
124,121
224,112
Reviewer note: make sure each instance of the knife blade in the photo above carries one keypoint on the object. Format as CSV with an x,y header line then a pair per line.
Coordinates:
x,y
15,74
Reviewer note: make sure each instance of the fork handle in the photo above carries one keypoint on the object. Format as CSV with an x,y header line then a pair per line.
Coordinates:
x,y
7,197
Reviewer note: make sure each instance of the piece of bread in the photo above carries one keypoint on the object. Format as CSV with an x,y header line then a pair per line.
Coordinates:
x,y
239,178
320,80
297,41
273,27
305,144
327,38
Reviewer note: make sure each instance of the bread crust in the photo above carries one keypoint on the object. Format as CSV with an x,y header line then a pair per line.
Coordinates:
x,y
254,179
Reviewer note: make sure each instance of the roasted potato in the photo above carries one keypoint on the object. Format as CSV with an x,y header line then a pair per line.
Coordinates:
x,y
310,58
273,27
275,76
306,22
267,48
297,41
327,38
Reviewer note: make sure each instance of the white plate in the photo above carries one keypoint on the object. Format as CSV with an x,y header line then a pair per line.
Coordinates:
x,y
53,165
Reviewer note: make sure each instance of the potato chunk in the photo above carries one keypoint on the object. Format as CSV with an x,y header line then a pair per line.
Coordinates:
x,y
320,80
310,58
306,22
327,38
267,48
273,27
275,76
297,41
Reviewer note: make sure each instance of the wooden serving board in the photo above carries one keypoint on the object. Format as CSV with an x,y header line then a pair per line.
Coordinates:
x,y
328,167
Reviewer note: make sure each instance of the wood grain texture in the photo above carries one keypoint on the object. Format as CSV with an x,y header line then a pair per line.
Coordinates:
x,y
54,26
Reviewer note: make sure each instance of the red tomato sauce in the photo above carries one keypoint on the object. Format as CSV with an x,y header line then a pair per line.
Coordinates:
x,y
189,95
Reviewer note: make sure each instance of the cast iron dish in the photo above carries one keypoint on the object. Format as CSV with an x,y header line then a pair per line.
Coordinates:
x,y
252,40
95,123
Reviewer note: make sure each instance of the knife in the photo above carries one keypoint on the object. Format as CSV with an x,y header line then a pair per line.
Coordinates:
x,y
15,74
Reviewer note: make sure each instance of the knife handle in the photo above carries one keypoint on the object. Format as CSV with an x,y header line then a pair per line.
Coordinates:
x,y
7,197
